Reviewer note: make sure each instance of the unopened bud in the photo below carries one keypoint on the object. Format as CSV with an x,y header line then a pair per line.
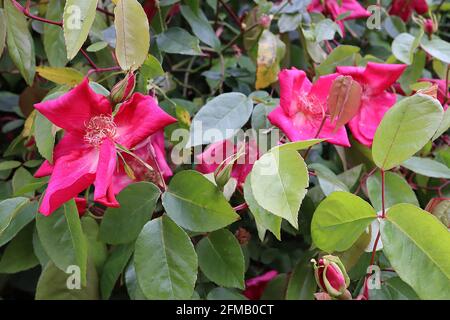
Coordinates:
x,y
264,21
331,276
123,89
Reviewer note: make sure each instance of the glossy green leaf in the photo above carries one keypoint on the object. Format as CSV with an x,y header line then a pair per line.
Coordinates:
x,y
279,180
437,48
79,240
114,266
427,167
417,244
19,41
195,203
328,180
177,40
201,27
18,255
132,34
165,261
405,129
302,283
78,18
393,289
224,294
53,284
44,136
339,221
265,220
9,209
341,56
403,47
96,249
225,114
21,216
7,165
53,37
221,259
397,190
123,224
444,126
298,145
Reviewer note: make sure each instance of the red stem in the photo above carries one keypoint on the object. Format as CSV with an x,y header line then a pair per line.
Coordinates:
x,y
242,206
26,12
105,12
232,14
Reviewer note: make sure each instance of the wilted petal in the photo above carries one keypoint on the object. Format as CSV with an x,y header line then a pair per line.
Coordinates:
x,y
138,118
72,110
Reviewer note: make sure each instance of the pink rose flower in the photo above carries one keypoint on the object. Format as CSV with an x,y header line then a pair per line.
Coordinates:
x,y
254,287
374,79
303,106
153,152
334,9
87,153
217,152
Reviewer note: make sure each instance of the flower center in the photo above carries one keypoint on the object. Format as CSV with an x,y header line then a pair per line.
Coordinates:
x,y
99,128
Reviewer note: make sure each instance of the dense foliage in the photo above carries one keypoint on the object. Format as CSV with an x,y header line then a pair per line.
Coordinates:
x,y
223,149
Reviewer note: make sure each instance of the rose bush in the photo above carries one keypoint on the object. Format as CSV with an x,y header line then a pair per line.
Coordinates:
x,y
224,149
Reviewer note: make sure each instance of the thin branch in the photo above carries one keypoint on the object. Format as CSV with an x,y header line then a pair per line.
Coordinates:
x,y
26,12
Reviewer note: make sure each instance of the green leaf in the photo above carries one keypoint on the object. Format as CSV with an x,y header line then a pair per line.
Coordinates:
x,y
265,220
444,126
53,37
177,40
20,42
9,210
133,35
31,186
427,167
326,29
114,266
44,136
20,179
417,244
405,129
196,204
259,115
298,145
224,294
2,31
149,70
165,261
328,180
393,289
97,46
77,21
397,190
339,221
58,234
96,249
302,283
18,255
24,215
394,26
403,47
62,76
53,285
289,22
221,259
7,165
279,180
413,72
79,240
271,51
133,288
437,48
123,224
201,27
225,114
341,56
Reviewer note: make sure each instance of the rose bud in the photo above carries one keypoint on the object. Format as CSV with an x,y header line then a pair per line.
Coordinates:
x,y
264,21
123,89
331,276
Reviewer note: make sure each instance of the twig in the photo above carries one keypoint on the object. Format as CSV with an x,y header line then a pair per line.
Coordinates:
x,y
26,12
